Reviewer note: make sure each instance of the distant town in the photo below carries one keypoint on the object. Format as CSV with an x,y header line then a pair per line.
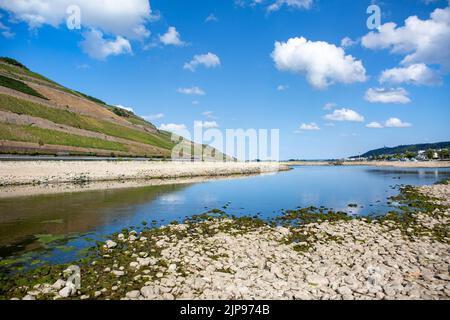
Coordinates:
x,y
415,152
421,155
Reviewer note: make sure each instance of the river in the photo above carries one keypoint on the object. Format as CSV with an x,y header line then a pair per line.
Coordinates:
x,y
56,228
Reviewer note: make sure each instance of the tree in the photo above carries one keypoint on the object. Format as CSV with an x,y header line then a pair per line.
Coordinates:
x,y
410,155
443,154
430,154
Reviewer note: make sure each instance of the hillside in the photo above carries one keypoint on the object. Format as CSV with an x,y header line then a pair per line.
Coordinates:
x,y
40,116
406,148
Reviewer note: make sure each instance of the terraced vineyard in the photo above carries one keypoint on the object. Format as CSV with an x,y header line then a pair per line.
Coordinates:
x,y
39,116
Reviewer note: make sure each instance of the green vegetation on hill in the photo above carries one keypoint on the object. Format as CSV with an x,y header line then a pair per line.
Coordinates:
x,y
13,62
76,120
18,86
93,99
44,136
24,72
404,149
102,120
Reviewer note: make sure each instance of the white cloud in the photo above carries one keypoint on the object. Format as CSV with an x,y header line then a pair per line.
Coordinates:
x,y
321,62
374,125
275,5
209,115
396,123
98,48
211,18
344,115
5,31
206,124
154,117
422,41
329,106
209,60
383,95
171,37
309,126
125,108
116,17
282,87
296,4
390,123
192,91
348,42
173,127
417,74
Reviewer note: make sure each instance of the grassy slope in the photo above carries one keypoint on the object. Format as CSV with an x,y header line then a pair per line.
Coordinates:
x,y
38,135
18,86
19,106
75,120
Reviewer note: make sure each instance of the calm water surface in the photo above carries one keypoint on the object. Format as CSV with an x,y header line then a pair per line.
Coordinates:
x,y
27,224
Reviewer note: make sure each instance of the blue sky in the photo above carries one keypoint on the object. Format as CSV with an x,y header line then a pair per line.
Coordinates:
x,y
246,81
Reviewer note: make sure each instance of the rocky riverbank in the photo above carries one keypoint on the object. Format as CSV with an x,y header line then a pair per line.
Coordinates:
x,y
311,253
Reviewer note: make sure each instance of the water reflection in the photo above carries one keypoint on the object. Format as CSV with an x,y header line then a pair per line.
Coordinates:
x,y
104,212
22,219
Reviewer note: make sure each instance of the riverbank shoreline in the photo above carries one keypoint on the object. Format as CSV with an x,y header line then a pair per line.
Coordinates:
x,y
18,191
23,173
394,164
306,254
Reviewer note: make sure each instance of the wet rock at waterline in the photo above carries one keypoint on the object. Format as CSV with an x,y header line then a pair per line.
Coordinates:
x,y
402,256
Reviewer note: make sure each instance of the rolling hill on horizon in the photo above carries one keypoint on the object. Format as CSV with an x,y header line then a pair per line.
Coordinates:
x,y
40,116
405,148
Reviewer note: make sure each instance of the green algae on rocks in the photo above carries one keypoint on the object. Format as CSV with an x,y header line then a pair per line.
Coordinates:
x,y
132,260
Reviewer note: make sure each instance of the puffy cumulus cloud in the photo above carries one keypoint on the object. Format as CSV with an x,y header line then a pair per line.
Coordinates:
x,y
396,123
192,91
206,124
121,21
374,125
97,47
321,62
173,127
171,38
208,60
389,123
383,95
309,126
344,115
116,17
417,74
422,41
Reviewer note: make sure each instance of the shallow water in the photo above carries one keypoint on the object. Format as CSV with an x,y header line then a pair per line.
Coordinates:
x,y
28,225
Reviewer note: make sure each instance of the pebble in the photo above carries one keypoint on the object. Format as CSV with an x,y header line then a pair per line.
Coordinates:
x,y
110,244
